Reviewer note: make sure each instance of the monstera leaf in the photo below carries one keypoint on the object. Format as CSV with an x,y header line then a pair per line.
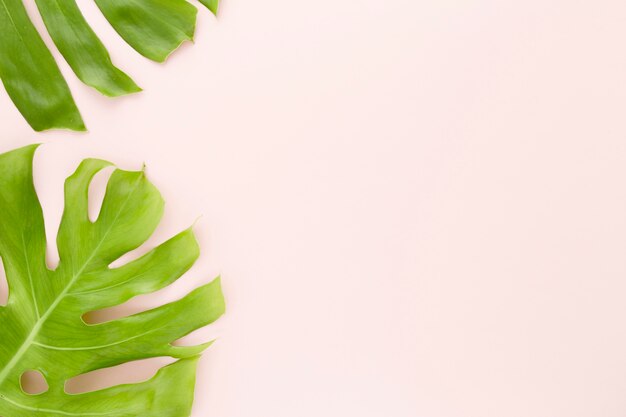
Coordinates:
x,y
154,28
42,327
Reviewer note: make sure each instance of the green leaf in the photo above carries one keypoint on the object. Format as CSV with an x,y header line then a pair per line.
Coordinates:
x,y
42,323
154,28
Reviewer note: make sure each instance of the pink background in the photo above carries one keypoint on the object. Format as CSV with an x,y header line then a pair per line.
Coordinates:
x,y
418,208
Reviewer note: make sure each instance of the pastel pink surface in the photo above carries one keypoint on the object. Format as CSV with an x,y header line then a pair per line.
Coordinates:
x,y
417,207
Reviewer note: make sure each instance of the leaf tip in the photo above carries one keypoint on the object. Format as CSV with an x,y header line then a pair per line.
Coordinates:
x,y
217,294
195,222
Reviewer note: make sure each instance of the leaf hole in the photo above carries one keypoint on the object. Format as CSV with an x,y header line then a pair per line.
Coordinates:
x,y
97,190
130,256
135,305
157,238
49,172
202,335
4,285
127,373
33,383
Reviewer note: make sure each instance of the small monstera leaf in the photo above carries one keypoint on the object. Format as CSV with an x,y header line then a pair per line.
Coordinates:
x,y
30,74
42,327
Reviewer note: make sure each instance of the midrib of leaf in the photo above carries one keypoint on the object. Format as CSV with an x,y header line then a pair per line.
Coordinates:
x,y
37,327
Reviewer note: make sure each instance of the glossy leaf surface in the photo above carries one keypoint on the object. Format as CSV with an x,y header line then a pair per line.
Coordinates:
x,y
31,76
42,325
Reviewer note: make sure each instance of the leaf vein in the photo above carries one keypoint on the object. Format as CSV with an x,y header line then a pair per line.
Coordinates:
x,y
48,410
30,278
119,342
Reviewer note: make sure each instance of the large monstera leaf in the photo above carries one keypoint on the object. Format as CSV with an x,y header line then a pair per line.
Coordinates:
x,y
42,327
31,76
